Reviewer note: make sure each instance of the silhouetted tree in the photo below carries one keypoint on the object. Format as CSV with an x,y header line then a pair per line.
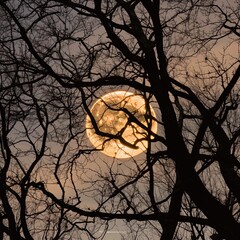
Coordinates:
x,y
57,57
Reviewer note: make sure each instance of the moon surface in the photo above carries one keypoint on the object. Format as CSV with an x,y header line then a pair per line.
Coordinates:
x,y
123,122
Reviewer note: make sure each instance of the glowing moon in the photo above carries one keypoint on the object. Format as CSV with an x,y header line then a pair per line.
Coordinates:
x,y
111,114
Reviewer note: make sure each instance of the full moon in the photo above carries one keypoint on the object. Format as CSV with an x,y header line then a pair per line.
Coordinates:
x,y
123,121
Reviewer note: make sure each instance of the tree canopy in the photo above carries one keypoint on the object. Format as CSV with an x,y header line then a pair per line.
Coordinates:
x,y
58,57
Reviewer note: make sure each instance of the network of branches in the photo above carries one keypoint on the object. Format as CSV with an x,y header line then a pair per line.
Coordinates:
x,y
58,57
